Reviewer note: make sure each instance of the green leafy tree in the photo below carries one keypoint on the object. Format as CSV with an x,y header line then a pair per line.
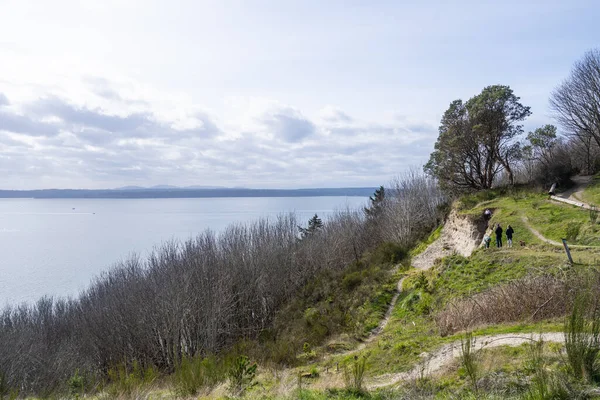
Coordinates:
x,y
377,203
477,140
314,224
542,142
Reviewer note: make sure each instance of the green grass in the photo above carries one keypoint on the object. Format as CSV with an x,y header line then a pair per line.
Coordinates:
x,y
591,194
553,220
348,303
412,331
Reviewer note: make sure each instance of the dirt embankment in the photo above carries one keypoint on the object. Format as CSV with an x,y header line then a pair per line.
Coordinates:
x,y
461,234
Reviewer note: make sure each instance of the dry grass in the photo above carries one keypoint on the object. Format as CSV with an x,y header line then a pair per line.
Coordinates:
x,y
532,298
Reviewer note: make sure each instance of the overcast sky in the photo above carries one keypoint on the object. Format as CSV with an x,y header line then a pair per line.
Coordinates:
x,y
273,94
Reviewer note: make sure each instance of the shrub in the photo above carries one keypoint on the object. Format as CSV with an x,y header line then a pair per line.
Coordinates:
x,y
352,280
593,214
388,253
468,359
76,385
544,384
196,373
354,374
125,380
572,230
242,375
582,338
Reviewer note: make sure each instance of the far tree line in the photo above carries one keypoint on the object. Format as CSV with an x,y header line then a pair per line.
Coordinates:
x,y
480,142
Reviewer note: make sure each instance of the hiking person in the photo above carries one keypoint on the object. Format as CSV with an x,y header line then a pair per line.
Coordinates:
x,y
509,235
487,214
487,239
498,236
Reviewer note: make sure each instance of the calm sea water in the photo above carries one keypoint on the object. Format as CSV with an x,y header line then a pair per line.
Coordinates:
x,y
55,247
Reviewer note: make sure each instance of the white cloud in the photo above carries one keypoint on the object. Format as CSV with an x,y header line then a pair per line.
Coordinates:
x,y
85,143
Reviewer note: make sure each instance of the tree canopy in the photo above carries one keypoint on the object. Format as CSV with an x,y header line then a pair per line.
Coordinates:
x,y
376,201
314,224
477,140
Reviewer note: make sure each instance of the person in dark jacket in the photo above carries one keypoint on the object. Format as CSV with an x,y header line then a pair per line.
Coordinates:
x,y
498,236
509,235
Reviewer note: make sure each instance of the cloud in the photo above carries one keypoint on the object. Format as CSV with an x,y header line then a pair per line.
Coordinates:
x,y
55,141
82,116
334,115
12,122
3,100
289,125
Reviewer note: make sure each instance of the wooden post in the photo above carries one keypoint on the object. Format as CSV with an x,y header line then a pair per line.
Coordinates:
x,y
567,250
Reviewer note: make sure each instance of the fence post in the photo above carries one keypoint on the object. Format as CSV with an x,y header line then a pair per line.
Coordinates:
x,y
567,250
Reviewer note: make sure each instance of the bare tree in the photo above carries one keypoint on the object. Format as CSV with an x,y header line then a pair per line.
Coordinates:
x,y
576,102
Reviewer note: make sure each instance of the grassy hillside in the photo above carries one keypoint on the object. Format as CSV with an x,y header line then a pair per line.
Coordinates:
x,y
591,194
414,332
320,346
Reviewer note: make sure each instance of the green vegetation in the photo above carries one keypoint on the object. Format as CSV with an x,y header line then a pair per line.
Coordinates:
x,y
591,194
473,147
349,302
315,332
553,220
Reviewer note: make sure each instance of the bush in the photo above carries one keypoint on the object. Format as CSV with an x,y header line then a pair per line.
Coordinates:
x,y
242,375
352,280
582,338
76,385
196,373
593,214
354,374
572,230
544,385
388,253
125,380
468,359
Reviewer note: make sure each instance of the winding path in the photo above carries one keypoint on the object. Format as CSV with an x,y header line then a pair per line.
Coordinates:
x,y
573,195
543,238
435,361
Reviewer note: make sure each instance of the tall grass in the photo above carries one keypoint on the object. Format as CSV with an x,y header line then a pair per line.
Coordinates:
x,y
582,338
545,385
354,374
468,359
198,373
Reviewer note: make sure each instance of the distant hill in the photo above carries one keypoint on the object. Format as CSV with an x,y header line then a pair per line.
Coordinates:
x,y
170,187
165,191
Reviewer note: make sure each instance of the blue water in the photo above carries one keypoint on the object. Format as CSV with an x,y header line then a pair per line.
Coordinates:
x,y
56,246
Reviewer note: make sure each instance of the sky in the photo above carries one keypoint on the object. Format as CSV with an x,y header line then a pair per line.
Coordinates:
x,y
261,94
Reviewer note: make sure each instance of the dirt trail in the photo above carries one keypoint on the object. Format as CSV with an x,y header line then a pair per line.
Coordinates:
x,y
538,234
543,238
575,193
433,362
573,196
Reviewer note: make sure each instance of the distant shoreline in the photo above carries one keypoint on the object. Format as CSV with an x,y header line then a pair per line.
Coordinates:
x,y
182,193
